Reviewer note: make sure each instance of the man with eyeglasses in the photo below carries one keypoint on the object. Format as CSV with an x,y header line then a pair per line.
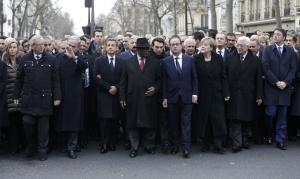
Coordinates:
x,y
180,91
38,85
72,66
245,84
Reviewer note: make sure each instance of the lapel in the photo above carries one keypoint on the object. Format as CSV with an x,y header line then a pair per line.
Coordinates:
x,y
136,64
246,62
172,65
184,64
275,51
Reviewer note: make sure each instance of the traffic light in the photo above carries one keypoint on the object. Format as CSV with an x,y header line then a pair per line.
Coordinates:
x,y
88,3
86,30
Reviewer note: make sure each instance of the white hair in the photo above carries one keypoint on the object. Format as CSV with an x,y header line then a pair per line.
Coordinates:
x,y
244,40
34,39
74,38
188,41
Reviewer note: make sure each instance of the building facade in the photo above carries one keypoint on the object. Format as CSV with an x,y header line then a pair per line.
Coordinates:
x,y
260,15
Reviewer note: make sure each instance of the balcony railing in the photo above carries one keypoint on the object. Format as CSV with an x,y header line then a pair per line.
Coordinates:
x,y
287,11
257,16
251,17
242,17
267,15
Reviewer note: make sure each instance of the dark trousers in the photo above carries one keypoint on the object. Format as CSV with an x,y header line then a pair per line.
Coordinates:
x,y
16,137
108,131
42,137
146,135
209,137
163,125
239,132
179,117
72,140
281,111
90,130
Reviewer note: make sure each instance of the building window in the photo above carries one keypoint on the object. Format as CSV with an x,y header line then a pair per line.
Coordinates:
x,y
204,20
9,22
287,9
267,9
273,11
257,13
251,18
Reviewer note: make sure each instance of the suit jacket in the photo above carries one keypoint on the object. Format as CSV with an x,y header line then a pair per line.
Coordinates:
x,y
125,55
108,105
184,85
245,85
276,68
141,109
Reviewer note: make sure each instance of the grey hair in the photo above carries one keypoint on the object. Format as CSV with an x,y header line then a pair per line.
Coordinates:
x,y
34,39
244,40
189,41
74,38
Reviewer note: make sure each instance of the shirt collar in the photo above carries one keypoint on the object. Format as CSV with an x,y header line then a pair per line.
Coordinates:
x,y
179,56
279,46
109,57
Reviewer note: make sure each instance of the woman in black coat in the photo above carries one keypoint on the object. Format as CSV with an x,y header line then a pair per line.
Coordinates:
x,y
11,58
213,92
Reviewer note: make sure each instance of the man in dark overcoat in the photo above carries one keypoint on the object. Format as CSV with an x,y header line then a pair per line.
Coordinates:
x,y
279,66
3,105
38,85
245,84
107,75
71,71
140,82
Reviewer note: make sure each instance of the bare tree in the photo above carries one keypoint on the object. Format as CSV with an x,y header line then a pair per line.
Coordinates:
x,y
14,6
159,9
213,14
277,14
229,15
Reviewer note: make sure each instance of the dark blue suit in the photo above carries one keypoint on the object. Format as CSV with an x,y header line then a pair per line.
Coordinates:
x,y
178,89
276,68
108,105
125,55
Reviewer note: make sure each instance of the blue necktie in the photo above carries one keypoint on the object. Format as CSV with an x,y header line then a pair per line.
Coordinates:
x,y
279,50
177,65
111,64
86,78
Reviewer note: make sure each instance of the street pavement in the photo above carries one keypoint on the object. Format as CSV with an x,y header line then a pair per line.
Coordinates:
x,y
259,162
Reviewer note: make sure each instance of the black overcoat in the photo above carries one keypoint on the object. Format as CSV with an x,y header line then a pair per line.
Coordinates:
x,y
71,82
245,85
141,109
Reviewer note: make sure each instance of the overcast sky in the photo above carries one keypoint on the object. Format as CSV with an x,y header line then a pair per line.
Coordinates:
x,y
79,13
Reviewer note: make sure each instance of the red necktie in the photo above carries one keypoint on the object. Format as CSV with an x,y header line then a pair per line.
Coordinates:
x,y
142,64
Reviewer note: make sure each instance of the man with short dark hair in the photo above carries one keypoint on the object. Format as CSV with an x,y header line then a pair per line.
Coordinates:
x,y
230,41
180,91
279,65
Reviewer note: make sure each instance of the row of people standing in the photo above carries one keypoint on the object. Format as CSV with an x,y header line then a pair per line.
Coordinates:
x,y
144,83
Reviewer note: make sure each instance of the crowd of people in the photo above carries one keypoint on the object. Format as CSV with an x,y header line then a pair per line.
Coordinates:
x,y
223,91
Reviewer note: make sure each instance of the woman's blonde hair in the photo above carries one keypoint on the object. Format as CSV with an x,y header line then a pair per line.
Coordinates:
x,y
212,43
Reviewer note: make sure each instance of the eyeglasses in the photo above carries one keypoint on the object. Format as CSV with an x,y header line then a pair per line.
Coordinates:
x,y
175,44
73,46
